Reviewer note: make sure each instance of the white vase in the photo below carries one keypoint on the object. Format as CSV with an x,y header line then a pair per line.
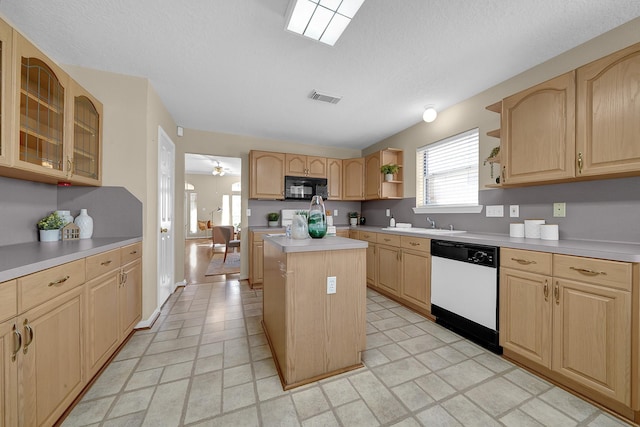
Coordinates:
x,y
353,221
299,227
67,218
49,235
85,223
388,177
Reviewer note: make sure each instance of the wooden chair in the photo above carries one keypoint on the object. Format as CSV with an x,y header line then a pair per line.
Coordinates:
x,y
229,241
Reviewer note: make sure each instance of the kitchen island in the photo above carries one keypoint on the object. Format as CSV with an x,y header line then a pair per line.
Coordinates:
x,y
314,332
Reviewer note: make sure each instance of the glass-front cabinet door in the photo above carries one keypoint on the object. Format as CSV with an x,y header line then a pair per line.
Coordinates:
x,y
85,152
6,35
41,118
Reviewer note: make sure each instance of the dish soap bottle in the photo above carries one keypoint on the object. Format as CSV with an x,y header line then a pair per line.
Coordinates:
x,y
392,222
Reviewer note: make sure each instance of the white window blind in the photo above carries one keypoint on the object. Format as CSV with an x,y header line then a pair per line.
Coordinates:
x,y
447,171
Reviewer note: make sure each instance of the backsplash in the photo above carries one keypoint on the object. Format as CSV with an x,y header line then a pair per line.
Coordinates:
x,y
606,210
115,211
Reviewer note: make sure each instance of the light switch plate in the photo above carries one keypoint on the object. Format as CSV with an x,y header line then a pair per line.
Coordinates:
x,y
495,211
514,211
331,285
248,212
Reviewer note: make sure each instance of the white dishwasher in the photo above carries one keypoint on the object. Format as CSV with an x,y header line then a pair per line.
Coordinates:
x,y
464,290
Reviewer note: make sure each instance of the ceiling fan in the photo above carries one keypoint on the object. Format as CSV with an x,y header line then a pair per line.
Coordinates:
x,y
218,170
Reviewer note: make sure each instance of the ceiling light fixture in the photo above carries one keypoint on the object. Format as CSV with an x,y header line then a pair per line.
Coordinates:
x,y
217,170
322,20
429,114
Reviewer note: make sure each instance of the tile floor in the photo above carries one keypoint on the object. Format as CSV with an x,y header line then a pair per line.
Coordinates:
x,y
206,363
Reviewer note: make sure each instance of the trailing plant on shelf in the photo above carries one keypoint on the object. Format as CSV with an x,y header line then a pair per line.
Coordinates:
x,y
389,169
53,221
491,159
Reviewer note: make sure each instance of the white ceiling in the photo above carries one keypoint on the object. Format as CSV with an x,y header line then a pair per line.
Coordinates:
x,y
202,164
229,65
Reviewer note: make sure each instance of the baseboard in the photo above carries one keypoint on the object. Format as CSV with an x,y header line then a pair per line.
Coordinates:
x,y
147,323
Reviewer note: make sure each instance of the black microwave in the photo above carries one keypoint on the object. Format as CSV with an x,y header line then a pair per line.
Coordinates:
x,y
304,188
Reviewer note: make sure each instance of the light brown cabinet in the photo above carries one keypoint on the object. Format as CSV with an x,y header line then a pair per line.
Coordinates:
x,y
389,259
6,56
608,115
416,271
57,129
10,343
573,320
130,304
266,175
376,186
334,179
301,165
538,132
256,254
353,179
372,176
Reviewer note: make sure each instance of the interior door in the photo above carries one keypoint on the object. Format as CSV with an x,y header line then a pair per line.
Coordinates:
x,y
166,168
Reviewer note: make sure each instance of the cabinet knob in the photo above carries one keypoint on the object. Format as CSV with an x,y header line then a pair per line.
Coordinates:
x,y
164,230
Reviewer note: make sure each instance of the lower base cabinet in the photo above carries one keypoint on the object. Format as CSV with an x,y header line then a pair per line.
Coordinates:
x,y
67,322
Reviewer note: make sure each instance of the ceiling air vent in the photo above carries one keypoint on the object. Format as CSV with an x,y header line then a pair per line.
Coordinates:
x,y
324,97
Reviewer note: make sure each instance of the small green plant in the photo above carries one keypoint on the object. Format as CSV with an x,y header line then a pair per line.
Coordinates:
x,y
304,213
273,216
353,214
53,221
389,169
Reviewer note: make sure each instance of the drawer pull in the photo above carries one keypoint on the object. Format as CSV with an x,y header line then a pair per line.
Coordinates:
x,y
523,261
17,343
59,282
28,332
414,243
546,290
133,252
105,262
588,272
556,293
387,240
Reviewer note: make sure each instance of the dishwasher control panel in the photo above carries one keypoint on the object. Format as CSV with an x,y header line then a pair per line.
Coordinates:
x,y
465,252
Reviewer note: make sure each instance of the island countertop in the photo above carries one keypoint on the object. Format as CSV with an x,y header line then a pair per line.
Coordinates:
x,y
327,243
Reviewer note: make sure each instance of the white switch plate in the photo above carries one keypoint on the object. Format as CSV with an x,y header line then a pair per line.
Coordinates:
x,y
388,212
335,212
514,211
560,210
248,212
495,211
331,285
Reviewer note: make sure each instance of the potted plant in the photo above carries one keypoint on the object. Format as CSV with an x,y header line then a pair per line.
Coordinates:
x,y
50,226
389,170
353,218
273,218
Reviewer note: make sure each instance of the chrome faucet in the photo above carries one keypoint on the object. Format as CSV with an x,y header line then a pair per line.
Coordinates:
x,y
451,227
432,222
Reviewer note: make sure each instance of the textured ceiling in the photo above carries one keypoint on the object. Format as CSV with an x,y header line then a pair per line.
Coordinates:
x,y
229,65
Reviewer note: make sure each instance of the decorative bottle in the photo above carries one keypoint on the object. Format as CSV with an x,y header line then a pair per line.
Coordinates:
x,y
317,218
85,223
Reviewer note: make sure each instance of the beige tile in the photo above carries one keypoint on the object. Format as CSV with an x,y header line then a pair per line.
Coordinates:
x,y
436,416
493,362
340,392
393,351
170,345
525,380
207,350
412,331
247,417
421,344
269,387
412,396
397,334
264,368
432,360
468,348
208,364
309,402
326,419
400,371
131,420
260,352
112,380
465,374
257,340
167,335
238,396
467,413
166,359
407,422
566,402
279,412
546,414
497,396
191,331
374,357
390,323
377,397
132,402
518,418
135,347
144,379
205,397
237,375
435,386
606,420
89,412
356,414
377,340
450,354
166,406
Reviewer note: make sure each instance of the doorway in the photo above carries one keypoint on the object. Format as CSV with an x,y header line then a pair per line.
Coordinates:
x,y
212,197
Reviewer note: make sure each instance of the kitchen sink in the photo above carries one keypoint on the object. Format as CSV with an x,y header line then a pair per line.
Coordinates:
x,y
418,230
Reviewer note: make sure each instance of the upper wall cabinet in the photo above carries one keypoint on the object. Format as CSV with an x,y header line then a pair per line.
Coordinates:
x,y
334,179
353,179
376,185
301,165
56,125
608,114
6,37
538,132
266,175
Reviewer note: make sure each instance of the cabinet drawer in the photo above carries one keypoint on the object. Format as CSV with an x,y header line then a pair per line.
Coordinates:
x,y
613,274
258,236
45,285
130,253
389,239
8,300
415,243
368,236
102,263
531,261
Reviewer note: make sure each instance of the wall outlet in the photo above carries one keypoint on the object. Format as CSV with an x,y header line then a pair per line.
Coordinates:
x,y
560,210
335,212
514,211
388,212
331,285
248,212
495,211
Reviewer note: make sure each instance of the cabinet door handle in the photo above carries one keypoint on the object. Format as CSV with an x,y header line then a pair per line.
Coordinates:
x,y
387,240
17,343
588,272
580,162
523,261
414,243
133,252
556,293
59,282
546,290
105,262
70,166
503,173
28,332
